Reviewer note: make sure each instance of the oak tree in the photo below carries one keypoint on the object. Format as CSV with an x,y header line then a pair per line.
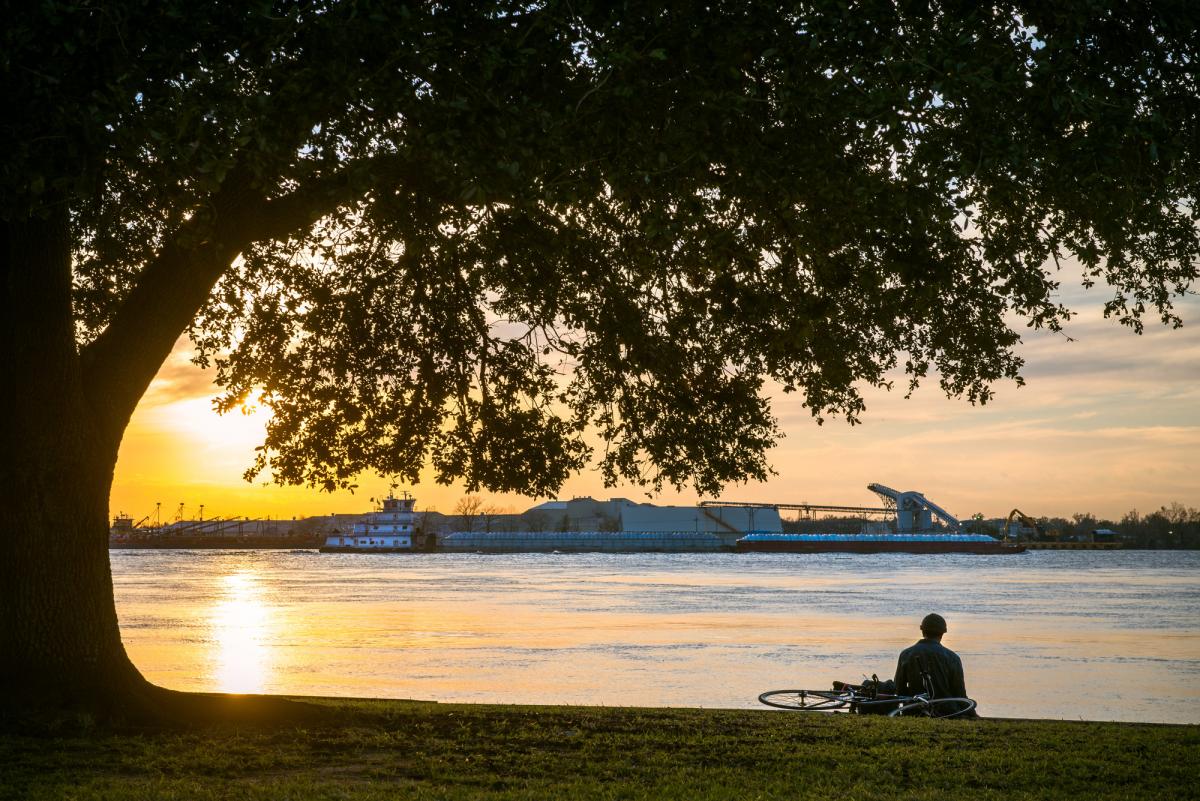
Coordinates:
x,y
510,238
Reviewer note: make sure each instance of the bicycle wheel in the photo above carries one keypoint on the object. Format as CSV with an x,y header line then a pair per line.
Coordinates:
x,y
805,700
935,708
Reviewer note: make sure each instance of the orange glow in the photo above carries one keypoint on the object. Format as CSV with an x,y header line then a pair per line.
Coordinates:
x,y
177,449
1107,422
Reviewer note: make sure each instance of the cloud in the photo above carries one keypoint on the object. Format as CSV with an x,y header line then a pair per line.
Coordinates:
x,y
178,379
1116,355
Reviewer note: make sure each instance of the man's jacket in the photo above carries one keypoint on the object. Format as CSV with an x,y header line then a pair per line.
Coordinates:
x,y
943,666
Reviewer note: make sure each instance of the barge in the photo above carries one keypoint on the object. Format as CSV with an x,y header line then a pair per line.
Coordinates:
x,y
876,543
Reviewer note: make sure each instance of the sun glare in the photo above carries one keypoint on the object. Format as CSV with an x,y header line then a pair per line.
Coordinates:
x,y
196,420
240,625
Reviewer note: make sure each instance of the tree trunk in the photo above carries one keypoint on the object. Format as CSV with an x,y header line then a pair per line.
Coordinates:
x,y
60,429
59,637
61,656
60,645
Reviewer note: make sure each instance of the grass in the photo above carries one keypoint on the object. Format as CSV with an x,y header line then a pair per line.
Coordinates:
x,y
391,749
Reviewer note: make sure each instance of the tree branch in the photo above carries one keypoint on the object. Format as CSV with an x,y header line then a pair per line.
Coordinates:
x,y
119,364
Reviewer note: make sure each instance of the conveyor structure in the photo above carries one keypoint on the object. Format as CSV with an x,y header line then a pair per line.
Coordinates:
x,y
912,510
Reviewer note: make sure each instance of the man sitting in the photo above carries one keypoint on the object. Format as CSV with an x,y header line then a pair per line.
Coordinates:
x,y
929,658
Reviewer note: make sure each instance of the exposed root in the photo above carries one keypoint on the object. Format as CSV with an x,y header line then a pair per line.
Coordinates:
x,y
131,703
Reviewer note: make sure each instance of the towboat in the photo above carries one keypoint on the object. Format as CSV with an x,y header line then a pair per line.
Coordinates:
x,y
387,530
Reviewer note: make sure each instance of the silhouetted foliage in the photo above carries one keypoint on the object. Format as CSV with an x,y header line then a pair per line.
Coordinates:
x,y
1174,526
469,234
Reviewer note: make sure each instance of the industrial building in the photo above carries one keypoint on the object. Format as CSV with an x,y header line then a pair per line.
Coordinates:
x,y
617,525
581,542
726,523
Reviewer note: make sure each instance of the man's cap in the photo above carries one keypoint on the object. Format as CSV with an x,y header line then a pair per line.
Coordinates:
x,y
934,624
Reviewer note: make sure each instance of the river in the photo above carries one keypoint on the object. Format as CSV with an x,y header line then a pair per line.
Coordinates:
x,y
1049,634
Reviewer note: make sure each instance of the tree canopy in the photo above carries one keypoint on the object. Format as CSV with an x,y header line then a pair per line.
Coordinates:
x,y
472,233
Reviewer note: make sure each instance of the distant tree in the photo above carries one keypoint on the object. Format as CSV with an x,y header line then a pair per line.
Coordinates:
x,y
1178,514
468,234
491,514
1159,530
1187,520
1130,530
1058,524
468,511
1173,526
980,525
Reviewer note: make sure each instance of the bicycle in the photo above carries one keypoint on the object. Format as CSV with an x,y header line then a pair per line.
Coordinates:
x,y
868,699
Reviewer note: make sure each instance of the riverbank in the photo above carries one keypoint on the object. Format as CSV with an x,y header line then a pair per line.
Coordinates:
x,y
385,749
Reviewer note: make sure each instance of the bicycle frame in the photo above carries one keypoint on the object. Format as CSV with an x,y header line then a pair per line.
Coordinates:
x,y
866,699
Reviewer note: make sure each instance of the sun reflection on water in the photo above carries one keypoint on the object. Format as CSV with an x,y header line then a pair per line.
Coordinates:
x,y
240,624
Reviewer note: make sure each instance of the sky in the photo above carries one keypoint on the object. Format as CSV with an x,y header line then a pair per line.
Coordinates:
x,y
1108,421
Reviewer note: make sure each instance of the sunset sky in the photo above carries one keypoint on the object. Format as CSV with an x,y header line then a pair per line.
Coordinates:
x,y
1106,423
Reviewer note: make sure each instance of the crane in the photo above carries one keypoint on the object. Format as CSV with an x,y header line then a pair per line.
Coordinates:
x,y
1030,523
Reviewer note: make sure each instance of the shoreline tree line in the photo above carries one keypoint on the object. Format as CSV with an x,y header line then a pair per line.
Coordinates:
x,y
1169,527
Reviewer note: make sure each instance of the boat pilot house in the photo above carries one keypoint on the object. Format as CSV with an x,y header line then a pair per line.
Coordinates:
x,y
386,530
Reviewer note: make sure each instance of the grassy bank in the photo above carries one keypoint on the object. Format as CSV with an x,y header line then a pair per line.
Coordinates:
x,y
376,750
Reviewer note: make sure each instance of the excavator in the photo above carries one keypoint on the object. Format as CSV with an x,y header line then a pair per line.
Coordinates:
x,y
1030,523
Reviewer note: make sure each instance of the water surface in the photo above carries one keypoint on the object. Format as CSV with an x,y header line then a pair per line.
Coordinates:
x,y
1059,634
